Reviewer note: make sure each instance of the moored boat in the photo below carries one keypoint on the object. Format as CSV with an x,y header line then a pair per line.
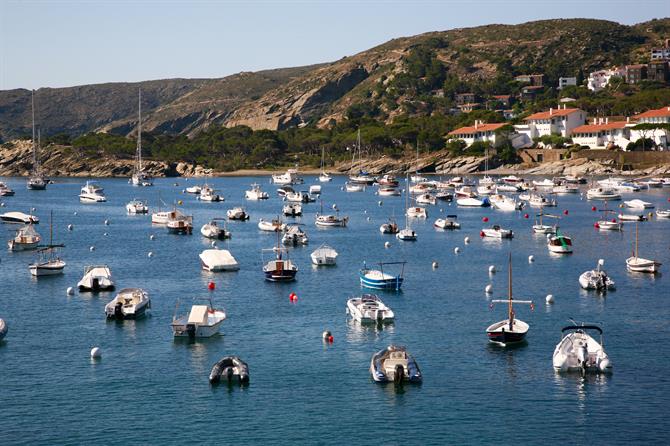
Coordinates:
x,y
130,303
96,278
579,352
597,279
378,279
229,368
202,321
369,308
215,260
26,238
394,364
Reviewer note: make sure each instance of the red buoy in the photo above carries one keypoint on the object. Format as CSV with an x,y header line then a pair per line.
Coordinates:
x,y
485,219
614,220
593,208
330,339
565,212
481,233
525,215
211,286
293,297
596,225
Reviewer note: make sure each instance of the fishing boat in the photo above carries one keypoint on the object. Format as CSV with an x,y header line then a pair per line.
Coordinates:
x,y
281,268
256,193
20,218
329,220
540,228
324,255
207,193
215,260
602,193
274,225
510,330
229,368
162,217
139,176
416,212
638,264
541,201
180,224
379,280
395,364
91,192
606,224
652,183
96,278
638,204
597,279
391,227
444,195
579,352
237,213
559,243
130,303
369,308
202,321
496,231
324,177
447,223
5,191
294,235
388,180
505,203
26,238
50,263
137,206
292,210
214,230
36,180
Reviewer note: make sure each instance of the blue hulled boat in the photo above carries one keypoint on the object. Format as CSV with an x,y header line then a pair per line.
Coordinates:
x,y
379,280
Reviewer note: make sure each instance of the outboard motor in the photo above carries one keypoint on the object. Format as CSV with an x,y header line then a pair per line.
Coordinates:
x,y
118,310
229,374
190,330
398,375
582,356
95,285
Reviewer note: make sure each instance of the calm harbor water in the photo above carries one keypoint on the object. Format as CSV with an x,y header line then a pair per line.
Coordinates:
x,y
149,388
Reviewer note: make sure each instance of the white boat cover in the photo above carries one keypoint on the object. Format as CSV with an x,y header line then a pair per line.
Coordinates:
x,y
219,260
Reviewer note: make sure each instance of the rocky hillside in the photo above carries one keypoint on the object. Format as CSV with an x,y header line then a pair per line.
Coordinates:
x,y
398,77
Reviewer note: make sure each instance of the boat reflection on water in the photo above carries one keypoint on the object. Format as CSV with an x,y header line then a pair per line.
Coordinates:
x,y
583,387
359,333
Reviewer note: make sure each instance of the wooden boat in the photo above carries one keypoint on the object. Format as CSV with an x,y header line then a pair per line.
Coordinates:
x,y
638,264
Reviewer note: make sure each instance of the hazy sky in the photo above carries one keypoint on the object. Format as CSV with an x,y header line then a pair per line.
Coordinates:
x,y
63,43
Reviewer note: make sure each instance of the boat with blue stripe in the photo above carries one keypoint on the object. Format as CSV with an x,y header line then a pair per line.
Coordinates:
x,y
379,280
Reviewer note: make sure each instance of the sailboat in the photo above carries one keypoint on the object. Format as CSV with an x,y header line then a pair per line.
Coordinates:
x,y
280,269
608,225
406,234
36,180
417,178
362,177
50,264
140,178
638,264
559,243
324,177
486,180
509,330
541,228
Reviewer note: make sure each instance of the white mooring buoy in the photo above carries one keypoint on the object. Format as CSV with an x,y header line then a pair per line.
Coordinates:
x,y
531,258
550,298
492,269
96,353
69,291
488,289
457,250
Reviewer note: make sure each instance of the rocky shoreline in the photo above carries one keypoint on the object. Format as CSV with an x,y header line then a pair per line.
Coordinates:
x,y
64,161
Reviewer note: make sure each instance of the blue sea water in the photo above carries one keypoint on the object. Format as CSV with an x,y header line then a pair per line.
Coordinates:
x,y
151,389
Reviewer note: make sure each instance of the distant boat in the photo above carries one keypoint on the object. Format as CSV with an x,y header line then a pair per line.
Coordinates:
x,y
214,230
380,280
139,176
639,264
137,206
292,210
391,227
329,220
207,193
496,231
50,263
324,177
26,238
215,260
408,234
369,308
36,181
447,223
5,191
281,268
91,192
255,193
324,255
237,213
19,217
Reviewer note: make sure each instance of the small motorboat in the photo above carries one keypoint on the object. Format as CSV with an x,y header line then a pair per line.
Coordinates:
x,y
486,189
354,187
407,235
180,224
255,193
602,193
597,279
473,202
426,199
130,303
315,189
638,264
544,183
638,204
214,230
663,213
26,238
559,243
282,191
202,321
505,203
215,260
229,369
292,210
92,193
330,220
388,192
444,195
541,201
369,308
512,179
290,177
496,231
324,255
3,329
379,280
5,191
294,235
195,189
631,217
96,278
394,364
653,183
579,352
565,189
508,188
279,269
274,225
162,217
208,193
19,217
389,228
137,206
447,223
388,180
417,212
237,213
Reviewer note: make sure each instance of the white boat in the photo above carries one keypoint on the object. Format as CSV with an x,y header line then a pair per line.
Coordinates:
x,y
473,202
329,220
388,180
638,204
139,176
290,177
540,228
237,213
389,228
91,193
638,264
486,189
496,231
5,191
130,303
596,279
416,212
215,260
571,179
162,217
324,255
602,193
137,206
421,188
505,203
465,192
195,189
180,224
325,177
565,189
214,230
49,264
96,278
207,193
255,193
315,189
426,199
274,225
447,223
298,197
354,187
653,183
3,329
36,180
619,185
607,224
292,209
202,321
406,235
19,217
380,280
282,191
513,179
541,201
294,235
544,183
369,308
559,243
508,188
444,195
388,192
663,213
394,364
26,238
579,352
631,217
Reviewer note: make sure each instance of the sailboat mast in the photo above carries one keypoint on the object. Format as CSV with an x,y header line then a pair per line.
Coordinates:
x,y
636,232
509,289
139,131
406,201
33,114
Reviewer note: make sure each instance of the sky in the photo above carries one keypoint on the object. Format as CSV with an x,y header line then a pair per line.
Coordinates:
x,y
63,43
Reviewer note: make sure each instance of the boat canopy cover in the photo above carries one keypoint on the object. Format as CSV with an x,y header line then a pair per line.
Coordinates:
x,y
582,327
198,314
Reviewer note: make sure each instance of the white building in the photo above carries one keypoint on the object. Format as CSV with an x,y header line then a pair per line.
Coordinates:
x,y
477,132
602,134
659,116
599,79
560,121
660,53
566,81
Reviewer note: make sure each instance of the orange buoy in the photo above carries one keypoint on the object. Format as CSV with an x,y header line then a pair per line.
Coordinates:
x,y
211,286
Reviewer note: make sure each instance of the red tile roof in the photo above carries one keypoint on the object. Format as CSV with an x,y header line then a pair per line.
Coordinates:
x,y
556,112
480,128
658,113
595,128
